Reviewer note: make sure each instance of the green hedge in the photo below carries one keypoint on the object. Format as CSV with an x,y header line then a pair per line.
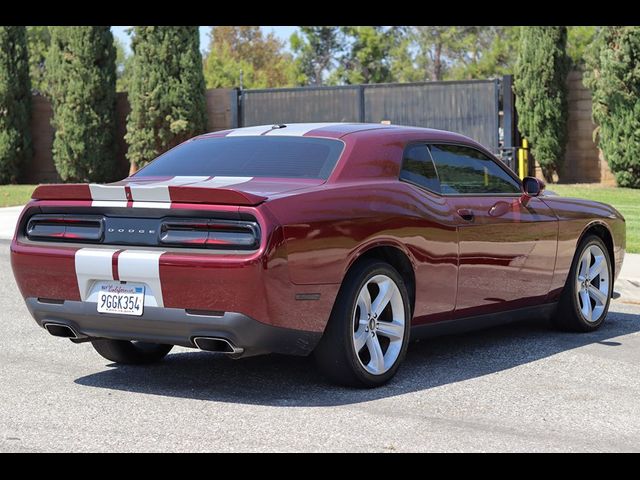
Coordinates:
x,y
15,103
81,81
541,94
613,75
166,91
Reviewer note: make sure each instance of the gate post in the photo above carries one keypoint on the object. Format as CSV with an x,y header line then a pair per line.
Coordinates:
x,y
509,119
234,105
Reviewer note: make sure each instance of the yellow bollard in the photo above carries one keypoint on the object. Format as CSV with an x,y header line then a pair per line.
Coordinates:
x,y
523,159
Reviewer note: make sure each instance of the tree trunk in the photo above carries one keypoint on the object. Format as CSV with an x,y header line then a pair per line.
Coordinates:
x,y
437,63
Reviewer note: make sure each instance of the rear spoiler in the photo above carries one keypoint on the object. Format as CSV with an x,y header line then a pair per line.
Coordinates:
x,y
176,194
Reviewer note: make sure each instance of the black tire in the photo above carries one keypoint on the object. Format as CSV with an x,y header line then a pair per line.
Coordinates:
x,y
336,355
568,316
130,353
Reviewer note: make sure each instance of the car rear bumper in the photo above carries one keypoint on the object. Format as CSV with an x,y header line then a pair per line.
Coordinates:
x,y
256,285
175,326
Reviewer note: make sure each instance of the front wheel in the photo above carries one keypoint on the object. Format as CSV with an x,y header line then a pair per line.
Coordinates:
x,y
585,299
130,353
368,332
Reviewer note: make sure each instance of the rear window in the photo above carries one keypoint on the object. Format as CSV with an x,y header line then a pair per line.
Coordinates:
x,y
283,157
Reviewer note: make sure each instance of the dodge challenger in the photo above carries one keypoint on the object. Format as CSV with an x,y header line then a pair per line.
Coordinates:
x,y
338,240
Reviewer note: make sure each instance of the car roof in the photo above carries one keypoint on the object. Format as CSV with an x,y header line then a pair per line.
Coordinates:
x,y
337,130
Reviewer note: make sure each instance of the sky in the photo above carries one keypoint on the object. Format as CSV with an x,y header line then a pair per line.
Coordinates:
x,y
281,32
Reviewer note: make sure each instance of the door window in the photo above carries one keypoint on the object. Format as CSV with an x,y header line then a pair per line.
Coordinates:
x,y
465,170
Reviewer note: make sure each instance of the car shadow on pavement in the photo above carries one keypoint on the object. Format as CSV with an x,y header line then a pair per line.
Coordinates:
x,y
277,380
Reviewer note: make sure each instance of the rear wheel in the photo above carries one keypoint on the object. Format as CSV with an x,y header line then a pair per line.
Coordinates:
x,y
131,353
368,332
585,299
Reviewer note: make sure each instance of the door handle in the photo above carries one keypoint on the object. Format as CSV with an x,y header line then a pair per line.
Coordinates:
x,y
466,214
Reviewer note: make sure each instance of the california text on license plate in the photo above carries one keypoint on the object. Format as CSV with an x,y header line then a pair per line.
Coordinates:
x,y
126,299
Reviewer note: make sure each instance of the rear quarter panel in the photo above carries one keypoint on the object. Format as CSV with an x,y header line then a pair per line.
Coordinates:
x,y
328,229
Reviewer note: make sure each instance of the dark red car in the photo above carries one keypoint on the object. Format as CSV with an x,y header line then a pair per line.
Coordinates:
x,y
339,239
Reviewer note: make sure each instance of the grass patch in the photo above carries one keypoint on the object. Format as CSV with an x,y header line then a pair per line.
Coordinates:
x,y
12,195
626,200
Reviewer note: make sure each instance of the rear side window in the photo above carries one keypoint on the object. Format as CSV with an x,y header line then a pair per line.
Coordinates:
x,y
261,156
418,168
464,170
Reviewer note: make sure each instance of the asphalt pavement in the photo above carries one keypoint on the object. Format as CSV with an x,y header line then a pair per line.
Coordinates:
x,y
523,387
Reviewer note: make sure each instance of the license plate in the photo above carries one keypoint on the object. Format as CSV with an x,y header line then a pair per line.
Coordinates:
x,y
125,299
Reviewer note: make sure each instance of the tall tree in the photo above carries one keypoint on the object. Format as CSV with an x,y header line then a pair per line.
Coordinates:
x,y
261,59
578,41
81,82
15,103
123,66
403,60
367,58
317,49
437,47
484,52
613,75
541,94
166,91
38,42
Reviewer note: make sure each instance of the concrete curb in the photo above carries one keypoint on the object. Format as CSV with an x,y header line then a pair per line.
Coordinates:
x,y
8,219
628,283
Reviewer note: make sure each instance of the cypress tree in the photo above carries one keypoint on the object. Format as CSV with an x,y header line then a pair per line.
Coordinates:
x,y
81,81
15,103
166,91
541,94
613,75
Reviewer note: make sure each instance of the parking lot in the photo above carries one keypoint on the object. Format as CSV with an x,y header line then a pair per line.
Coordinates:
x,y
521,387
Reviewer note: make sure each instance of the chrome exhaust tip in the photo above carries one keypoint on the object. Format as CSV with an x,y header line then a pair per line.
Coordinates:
x,y
216,344
61,330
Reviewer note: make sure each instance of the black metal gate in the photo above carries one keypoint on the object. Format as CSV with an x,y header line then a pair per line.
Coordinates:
x,y
471,108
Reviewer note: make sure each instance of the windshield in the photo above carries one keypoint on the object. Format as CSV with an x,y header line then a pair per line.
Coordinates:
x,y
261,156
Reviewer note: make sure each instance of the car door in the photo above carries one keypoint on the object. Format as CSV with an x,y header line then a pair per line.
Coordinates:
x,y
506,245
435,248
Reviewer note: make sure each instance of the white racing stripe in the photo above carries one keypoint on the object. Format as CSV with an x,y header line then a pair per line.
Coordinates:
x,y
219,182
292,130
151,205
143,266
159,191
250,131
298,129
109,193
92,264
181,180
108,203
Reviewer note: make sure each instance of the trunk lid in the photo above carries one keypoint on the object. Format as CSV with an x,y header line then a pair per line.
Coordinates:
x,y
210,190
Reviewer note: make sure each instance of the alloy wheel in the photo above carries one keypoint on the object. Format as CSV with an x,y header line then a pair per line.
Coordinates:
x,y
592,283
378,324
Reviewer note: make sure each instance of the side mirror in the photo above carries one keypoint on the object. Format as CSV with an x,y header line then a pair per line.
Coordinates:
x,y
532,186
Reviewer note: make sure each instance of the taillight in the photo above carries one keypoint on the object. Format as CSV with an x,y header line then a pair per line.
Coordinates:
x,y
189,232
224,234
65,227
